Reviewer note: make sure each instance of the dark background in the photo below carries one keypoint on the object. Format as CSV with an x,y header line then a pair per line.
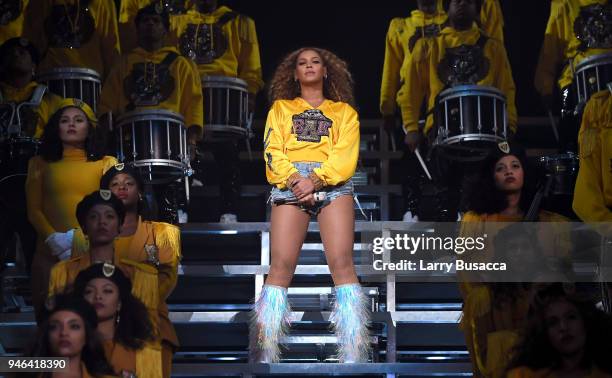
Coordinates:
x,y
356,31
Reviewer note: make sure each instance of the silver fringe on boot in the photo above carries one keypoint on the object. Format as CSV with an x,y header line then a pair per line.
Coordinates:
x,y
269,324
349,318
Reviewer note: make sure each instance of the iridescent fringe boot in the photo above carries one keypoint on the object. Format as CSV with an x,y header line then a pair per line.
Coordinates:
x,y
349,318
269,324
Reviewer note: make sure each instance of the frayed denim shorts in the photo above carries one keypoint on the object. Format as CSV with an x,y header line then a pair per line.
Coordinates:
x,y
331,192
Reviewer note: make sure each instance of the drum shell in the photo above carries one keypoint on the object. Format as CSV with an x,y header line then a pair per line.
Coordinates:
x,y
564,170
73,82
226,107
592,75
155,141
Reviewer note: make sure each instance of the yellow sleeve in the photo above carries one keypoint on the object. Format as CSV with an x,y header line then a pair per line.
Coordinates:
x,y
589,201
505,83
551,56
342,160
492,19
278,166
33,23
415,87
145,287
249,64
109,36
192,102
168,240
107,163
80,244
58,278
394,58
112,91
34,197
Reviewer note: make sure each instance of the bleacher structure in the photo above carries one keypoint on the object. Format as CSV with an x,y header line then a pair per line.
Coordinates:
x,y
414,325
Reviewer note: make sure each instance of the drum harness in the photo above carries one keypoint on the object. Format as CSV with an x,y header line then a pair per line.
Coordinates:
x,y
165,63
34,101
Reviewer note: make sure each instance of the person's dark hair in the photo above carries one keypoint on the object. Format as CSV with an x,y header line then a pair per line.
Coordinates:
x,y
535,351
11,43
143,208
446,5
52,149
135,327
337,87
99,197
92,354
157,9
482,196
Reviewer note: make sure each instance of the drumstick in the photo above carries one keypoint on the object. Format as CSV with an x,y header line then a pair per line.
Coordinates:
x,y
418,155
393,146
553,124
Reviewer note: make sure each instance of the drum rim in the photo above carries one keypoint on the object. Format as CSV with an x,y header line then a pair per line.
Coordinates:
x,y
180,165
221,78
476,90
558,157
590,61
148,114
86,72
471,137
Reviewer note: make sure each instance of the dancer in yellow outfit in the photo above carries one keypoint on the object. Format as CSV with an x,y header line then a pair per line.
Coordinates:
x,y
576,30
593,192
428,73
155,77
311,146
69,166
129,9
403,34
101,215
156,244
222,42
11,19
502,192
566,336
74,33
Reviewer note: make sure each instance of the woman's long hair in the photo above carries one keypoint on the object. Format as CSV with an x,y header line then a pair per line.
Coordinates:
x,y
134,327
535,351
338,86
92,354
482,196
52,149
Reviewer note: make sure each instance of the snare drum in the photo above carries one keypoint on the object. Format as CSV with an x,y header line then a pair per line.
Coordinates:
x,y
564,170
470,118
154,141
226,108
73,82
592,75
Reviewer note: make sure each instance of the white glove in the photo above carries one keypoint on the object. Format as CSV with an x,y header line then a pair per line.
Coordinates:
x,y
60,242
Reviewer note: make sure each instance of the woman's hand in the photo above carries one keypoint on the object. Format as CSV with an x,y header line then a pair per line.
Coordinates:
x,y
303,187
307,200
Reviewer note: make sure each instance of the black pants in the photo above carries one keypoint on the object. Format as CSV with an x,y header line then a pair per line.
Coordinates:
x,y
227,156
571,116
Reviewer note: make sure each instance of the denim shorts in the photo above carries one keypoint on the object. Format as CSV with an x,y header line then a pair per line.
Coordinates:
x,y
331,192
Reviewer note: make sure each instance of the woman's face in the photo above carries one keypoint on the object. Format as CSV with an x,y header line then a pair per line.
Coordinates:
x,y
102,224
103,295
565,327
125,188
73,127
67,335
508,174
309,68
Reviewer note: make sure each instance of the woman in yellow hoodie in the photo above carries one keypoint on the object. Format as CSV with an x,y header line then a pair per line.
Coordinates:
x,y
311,146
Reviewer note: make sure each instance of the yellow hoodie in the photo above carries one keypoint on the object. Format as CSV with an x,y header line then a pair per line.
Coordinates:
x,y
297,132
11,22
97,38
401,38
422,79
593,191
176,88
220,43
562,51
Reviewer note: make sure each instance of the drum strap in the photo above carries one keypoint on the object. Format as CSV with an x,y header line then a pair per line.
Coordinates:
x,y
166,63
